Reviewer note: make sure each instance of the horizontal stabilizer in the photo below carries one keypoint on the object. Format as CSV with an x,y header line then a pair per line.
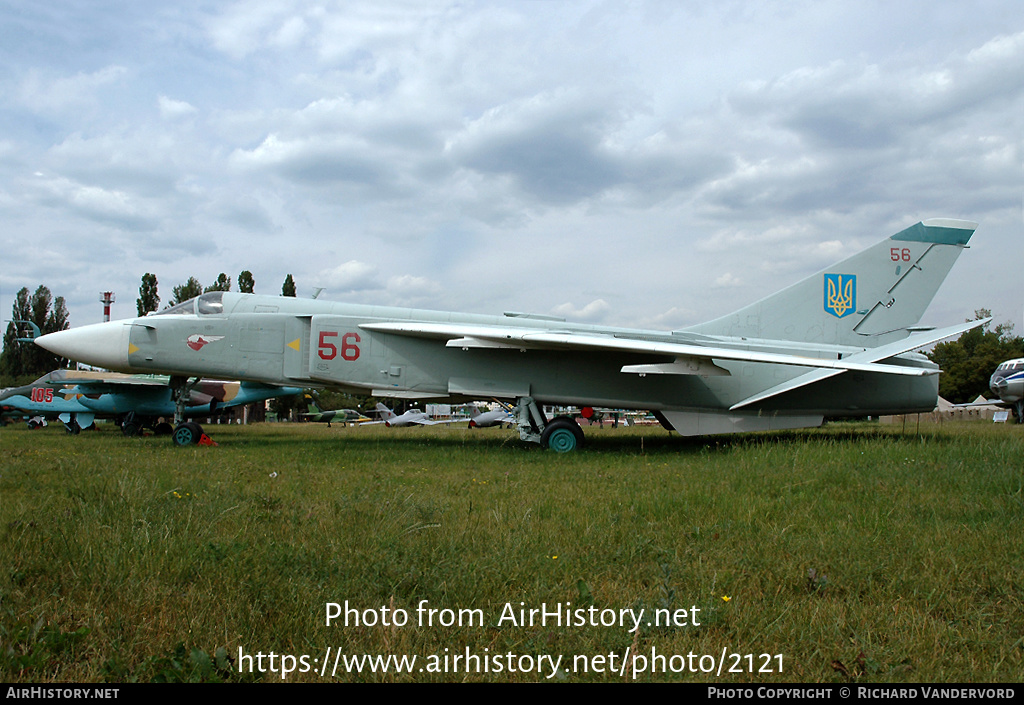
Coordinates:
x,y
871,355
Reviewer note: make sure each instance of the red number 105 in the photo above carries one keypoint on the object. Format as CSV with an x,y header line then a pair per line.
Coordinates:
x,y
41,394
328,350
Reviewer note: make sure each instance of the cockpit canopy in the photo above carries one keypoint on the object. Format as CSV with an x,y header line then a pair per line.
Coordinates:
x,y
1006,369
212,302
1012,365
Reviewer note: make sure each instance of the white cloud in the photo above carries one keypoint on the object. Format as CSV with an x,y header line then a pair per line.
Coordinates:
x,y
593,312
290,33
350,276
45,92
174,109
1005,50
109,206
243,28
728,279
408,286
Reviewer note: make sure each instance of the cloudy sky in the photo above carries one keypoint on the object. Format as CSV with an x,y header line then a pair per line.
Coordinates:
x,y
650,164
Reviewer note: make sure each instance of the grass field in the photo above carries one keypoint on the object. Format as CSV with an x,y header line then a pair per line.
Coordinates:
x,y
856,552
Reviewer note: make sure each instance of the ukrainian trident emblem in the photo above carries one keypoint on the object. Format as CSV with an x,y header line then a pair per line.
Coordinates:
x,y
840,294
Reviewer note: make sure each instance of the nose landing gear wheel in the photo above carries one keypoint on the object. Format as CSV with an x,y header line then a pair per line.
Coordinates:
x,y
187,434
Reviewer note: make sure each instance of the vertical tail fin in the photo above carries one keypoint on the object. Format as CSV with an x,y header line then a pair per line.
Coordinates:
x,y
867,300
386,414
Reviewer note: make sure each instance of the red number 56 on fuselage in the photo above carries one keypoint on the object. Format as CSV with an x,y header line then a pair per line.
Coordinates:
x,y
327,350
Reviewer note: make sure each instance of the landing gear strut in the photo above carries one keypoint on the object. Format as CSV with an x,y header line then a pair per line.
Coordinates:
x,y
187,433
562,434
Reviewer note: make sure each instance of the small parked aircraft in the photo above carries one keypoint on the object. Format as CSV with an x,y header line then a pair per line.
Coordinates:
x,y
336,415
840,343
486,419
413,416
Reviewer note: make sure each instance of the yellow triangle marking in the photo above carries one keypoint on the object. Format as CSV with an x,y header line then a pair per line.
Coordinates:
x,y
294,345
132,348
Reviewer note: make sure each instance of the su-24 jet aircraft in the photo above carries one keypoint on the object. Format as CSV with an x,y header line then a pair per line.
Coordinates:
x,y
135,401
838,344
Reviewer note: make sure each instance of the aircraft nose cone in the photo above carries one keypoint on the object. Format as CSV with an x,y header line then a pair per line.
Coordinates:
x,y
101,345
998,385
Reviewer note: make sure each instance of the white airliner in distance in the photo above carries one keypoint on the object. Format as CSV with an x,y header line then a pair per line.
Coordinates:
x,y
1007,383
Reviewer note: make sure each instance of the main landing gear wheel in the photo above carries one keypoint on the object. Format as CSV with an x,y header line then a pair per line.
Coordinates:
x,y
562,435
187,434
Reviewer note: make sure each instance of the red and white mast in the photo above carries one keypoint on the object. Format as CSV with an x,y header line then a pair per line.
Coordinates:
x,y
106,298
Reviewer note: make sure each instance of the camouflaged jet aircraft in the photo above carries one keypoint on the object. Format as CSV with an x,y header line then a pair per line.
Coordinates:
x,y
344,416
135,402
839,344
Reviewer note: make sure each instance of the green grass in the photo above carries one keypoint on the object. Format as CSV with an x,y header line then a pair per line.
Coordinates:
x,y
857,552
